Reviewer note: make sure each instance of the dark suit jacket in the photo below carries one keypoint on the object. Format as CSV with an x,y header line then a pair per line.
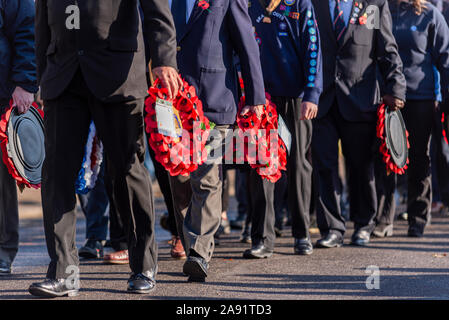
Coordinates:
x,y
108,47
205,57
350,66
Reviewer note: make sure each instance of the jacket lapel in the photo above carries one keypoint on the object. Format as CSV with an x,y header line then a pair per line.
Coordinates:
x,y
196,14
349,30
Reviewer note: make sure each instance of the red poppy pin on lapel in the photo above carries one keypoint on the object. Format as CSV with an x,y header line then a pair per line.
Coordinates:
x,y
204,4
363,19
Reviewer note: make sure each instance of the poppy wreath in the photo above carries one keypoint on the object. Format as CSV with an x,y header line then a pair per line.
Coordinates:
x,y
90,168
386,155
264,152
21,181
178,155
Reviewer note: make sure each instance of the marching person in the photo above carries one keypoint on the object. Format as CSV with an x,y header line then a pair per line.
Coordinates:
x,y
353,50
17,82
91,65
422,35
206,40
291,62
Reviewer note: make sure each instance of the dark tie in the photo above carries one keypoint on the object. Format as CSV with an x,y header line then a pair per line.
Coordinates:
x,y
339,22
179,12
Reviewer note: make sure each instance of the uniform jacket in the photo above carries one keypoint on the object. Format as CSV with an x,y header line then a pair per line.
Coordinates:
x,y
350,65
206,57
108,47
290,50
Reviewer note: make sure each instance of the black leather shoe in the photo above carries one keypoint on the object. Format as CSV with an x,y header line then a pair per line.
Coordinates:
x,y
383,230
303,246
258,252
360,238
52,288
92,249
196,268
331,240
141,282
5,268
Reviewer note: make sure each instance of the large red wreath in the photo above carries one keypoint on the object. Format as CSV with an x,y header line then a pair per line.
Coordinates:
x,y
265,152
21,181
183,155
386,155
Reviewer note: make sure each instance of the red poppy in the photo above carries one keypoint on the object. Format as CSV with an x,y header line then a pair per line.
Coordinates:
x,y
176,155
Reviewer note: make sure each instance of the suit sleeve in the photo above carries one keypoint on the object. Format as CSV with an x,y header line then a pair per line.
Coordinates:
x,y
43,37
439,37
159,30
23,64
240,30
390,63
309,49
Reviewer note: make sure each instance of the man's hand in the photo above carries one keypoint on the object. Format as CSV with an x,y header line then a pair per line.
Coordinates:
x,y
393,102
309,110
258,110
170,80
22,99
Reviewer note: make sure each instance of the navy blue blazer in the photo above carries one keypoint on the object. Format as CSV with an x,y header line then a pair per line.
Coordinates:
x,y
205,57
17,59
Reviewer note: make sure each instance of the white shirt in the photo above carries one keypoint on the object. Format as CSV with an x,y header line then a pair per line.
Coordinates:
x,y
190,4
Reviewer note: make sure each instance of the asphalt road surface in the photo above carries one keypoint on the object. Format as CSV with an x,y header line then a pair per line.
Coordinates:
x,y
408,268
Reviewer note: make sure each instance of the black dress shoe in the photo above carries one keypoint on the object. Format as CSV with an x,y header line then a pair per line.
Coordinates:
x,y
196,269
52,288
258,252
92,249
5,268
383,230
303,246
360,238
331,240
141,282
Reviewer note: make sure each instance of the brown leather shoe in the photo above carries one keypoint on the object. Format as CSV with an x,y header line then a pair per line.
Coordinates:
x,y
177,250
118,257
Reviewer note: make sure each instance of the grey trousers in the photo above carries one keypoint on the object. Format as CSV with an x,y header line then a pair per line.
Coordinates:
x,y
198,204
9,214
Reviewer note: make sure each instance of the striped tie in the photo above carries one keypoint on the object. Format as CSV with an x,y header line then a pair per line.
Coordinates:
x,y
339,23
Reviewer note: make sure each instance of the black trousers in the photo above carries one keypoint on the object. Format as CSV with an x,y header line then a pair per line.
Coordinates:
x,y
385,188
120,127
299,176
9,212
358,140
419,119
162,177
440,161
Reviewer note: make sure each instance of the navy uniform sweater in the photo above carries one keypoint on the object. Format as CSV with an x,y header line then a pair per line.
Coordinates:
x,y
423,42
289,49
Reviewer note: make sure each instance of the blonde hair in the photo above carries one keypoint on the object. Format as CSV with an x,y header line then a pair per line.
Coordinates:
x,y
419,5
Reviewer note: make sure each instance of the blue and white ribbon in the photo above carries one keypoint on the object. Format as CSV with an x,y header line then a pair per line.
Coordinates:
x,y
90,168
